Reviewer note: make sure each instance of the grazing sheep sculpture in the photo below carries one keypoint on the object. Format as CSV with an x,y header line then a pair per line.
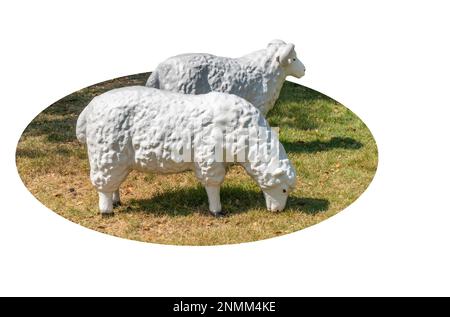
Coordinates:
x,y
256,77
140,128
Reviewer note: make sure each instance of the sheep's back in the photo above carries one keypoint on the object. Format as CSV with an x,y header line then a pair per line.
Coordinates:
x,y
202,73
145,125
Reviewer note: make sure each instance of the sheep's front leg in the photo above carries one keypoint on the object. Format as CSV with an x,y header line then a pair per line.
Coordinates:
x,y
105,203
215,207
116,198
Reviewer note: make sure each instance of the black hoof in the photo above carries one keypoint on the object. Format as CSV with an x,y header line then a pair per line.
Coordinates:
x,y
107,215
218,214
117,204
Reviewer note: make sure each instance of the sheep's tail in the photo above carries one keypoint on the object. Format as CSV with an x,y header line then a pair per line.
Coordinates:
x,y
81,124
153,80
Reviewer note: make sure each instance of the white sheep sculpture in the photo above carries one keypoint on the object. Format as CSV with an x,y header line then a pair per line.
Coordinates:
x,y
257,77
140,128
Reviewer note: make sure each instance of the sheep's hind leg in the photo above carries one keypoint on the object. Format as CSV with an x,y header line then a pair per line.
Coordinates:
x,y
105,203
116,199
108,192
215,206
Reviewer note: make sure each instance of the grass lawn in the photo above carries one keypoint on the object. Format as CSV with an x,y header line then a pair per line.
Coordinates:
x,y
333,151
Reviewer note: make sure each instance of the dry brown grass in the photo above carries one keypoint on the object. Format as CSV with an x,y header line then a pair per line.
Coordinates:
x,y
333,151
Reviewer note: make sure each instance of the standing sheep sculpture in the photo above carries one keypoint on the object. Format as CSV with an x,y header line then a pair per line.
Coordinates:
x,y
140,128
257,77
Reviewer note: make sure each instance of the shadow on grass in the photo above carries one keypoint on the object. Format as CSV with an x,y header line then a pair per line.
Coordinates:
x,y
54,130
37,153
182,202
320,146
299,107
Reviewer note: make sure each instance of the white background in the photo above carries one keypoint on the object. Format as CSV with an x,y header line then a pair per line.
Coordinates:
x,y
388,61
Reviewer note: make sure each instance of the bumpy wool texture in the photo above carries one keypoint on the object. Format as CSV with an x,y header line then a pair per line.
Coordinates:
x,y
256,77
136,128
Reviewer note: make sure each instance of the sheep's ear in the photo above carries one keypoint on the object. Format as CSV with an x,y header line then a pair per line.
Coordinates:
x,y
277,172
276,42
284,52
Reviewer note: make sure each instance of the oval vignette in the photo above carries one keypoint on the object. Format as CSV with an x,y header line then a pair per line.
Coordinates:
x,y
334,153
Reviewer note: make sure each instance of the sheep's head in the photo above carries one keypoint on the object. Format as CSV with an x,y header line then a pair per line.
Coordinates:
x,y
286,57
282,182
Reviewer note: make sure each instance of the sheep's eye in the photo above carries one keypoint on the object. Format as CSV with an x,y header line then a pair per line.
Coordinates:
x,y
284,190
293,59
